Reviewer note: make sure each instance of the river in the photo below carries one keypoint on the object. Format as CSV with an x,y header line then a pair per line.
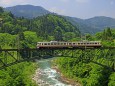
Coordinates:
x,y
46,76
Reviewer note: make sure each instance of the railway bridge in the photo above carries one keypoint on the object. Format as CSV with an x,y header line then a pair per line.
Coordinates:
x,y
104,56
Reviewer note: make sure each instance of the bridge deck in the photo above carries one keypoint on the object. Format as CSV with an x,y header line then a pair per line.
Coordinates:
x,y
71,48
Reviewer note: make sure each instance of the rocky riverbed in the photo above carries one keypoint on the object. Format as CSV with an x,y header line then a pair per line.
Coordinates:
x,y
47,76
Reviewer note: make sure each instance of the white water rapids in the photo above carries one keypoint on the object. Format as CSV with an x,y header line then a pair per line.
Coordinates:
x,y
46,76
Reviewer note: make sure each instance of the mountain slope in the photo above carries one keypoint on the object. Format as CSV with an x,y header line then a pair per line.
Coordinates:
x,y
27,11
92,25
101,22
84,28
50,25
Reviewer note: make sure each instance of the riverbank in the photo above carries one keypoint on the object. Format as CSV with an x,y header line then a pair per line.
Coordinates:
x,y
65,79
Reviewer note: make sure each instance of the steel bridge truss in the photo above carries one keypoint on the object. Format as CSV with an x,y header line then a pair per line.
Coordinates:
x,y
101,56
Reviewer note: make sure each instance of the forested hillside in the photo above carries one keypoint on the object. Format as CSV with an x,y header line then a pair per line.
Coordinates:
x,y
84,28
92,25
47,27
55,27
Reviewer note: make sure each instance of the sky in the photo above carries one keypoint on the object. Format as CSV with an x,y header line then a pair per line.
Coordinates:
x,y
75,8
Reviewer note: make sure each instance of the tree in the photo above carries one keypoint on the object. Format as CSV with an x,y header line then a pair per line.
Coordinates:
x,y
69,36
89,37
21,36
58,34
0,49
108,32
104,36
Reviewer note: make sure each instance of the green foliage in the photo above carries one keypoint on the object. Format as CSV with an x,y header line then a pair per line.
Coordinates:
x,y
58,34
69,36
88,74
107,37
112,79
107,34
7,40
98,35
12,25
31,38
45,26
18,75
21,36
108,43
89,37
53,25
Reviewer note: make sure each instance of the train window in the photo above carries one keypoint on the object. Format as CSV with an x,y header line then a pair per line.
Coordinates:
x,y
58,43
81,43
61,43
95,43
73,43
45,43
78,43
64,43
69,43
55,43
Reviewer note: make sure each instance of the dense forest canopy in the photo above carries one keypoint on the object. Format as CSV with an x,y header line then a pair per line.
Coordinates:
x,y
47,27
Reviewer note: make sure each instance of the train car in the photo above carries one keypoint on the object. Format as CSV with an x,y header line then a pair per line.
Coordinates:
x,y
57,44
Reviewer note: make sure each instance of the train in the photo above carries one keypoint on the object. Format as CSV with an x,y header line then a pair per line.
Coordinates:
x,y
60,44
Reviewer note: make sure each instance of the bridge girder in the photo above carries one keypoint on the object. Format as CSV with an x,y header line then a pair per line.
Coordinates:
x,y
102,56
